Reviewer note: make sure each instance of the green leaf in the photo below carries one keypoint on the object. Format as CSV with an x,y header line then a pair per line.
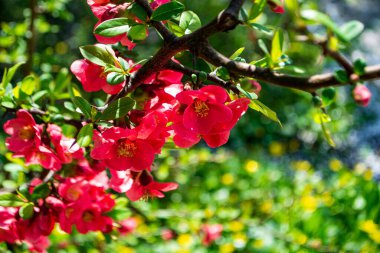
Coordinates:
x,y
359,66
10,199
257,9
237,53
326,133
352,29
167,11
266,111
328,96
113,27
118,109
251,95
176,29
115,78
84,137
263,47
124,64
341,76
277,46
325,20
189,22
137,33
244,15
28,84
26,211
83,105
261,28
97,54
138,11
8,75
223,73
41,191
8,102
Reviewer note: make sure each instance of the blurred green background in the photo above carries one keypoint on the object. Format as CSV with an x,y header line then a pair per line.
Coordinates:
x,y
273,189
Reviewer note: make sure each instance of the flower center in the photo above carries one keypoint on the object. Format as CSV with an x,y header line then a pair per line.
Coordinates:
x,y
88,216
73,194
201,108
126,148
68,212
26,133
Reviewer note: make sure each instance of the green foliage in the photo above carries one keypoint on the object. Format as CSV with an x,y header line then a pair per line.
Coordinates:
x,y
167,11
113,27
264,206
118,108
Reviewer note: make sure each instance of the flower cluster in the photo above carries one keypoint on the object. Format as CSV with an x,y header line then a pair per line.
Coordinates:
x,y
77,181
50,150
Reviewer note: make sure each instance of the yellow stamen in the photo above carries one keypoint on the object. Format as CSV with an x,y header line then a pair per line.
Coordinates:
x,y
126,149
201,108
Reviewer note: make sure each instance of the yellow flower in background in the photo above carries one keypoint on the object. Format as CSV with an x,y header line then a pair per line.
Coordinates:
x,y
226,248
276,148
368,175
124,249
183,251
266,206
240,238
368,226
209,213
251,166
143,229
309,203
258,244
375,236
228,179
299,238
185,240
335,164
302,165
236,226
327,199
204,155
372,229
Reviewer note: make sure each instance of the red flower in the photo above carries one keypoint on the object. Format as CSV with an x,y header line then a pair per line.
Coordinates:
x,y
92,77
24,131
120,181
122,149
362,95
211,233
66,148
86,202
205,108
156,3
128,226
144,186
276,7
8,229
207,114
105,10
43,156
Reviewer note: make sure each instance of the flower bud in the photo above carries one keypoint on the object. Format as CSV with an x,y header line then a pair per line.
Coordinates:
x,y
362,95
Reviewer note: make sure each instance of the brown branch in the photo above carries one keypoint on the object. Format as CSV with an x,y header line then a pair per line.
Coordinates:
x,y
197,43
160,27
227,20
210,76
309,84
